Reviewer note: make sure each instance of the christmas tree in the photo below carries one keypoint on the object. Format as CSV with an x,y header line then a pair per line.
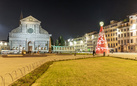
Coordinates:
x,y
102,45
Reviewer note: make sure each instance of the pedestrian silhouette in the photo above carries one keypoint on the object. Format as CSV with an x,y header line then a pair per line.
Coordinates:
x,y
93,52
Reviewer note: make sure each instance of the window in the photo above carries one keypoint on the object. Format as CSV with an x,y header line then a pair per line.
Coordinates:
x,y
113,44
116,44
128,47
121,30
131,40
124,42
127,29
118,41
116,34
111,34
121,41
128,41
131,47
124,34
121,35
113,39
124,29
131,33
127,34
108,45
108,35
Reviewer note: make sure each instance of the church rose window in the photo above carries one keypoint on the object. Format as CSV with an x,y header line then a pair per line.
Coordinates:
x,y
30,30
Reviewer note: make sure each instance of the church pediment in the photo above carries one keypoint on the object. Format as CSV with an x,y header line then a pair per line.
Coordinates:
x,y
30,19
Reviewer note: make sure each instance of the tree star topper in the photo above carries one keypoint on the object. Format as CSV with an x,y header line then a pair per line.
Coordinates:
x,y
101,23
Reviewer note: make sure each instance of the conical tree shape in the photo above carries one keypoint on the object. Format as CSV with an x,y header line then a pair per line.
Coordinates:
x,y
102,45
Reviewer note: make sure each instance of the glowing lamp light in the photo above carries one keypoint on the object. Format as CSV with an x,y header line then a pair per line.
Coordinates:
x,y
81,42
1,43
87,38
134,26
75,42
92,36
68,40
5,43
71,44
101,23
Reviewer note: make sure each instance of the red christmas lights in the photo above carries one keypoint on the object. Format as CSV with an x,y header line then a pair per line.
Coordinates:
x,y
102,45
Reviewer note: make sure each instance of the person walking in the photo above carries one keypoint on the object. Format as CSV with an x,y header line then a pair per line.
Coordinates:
x,y
93,52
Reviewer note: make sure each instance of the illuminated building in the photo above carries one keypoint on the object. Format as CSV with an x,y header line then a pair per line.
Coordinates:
x,y
4,45
29,36
122,35
111,32
84,43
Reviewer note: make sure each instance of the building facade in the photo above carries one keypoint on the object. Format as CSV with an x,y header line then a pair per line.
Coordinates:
x,y
122,35
86,43
29,36
4,45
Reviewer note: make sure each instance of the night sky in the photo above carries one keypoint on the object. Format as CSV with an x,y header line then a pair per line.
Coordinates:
x,y
69,18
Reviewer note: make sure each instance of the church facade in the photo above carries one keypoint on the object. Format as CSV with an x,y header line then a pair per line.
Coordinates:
x,y
29,36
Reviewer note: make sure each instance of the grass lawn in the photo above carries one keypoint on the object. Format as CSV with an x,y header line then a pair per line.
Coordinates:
x,y
100,71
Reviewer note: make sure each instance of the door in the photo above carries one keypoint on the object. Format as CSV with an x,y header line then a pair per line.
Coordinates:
x,y
30,48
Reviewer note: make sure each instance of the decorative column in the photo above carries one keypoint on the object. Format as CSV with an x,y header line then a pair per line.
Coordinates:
x,y
10,44
26,45
33,46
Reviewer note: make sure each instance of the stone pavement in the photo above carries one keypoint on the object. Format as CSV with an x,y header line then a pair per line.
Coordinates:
x,y
7,65
124,55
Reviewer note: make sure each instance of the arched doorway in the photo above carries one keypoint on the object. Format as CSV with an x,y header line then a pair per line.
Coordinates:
x,y
29,46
